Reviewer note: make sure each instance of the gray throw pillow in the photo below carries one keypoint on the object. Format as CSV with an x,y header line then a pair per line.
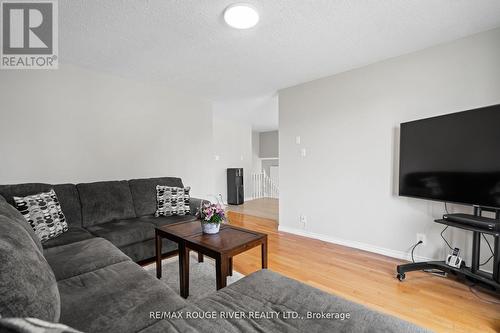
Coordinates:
x,y
44,214
172,200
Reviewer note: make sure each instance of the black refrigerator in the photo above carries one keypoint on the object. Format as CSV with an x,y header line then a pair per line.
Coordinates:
x,y
235,194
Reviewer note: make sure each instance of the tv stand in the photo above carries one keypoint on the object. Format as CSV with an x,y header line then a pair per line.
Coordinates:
x,y
473,272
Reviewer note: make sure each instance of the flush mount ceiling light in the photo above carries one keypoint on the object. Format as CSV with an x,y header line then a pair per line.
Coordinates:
x,y
241,16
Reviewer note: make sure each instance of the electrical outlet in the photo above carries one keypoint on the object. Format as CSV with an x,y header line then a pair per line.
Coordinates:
x,y
303,220
297,140
303,152
422,237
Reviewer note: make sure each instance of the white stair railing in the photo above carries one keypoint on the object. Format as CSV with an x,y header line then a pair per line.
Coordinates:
x,y
263,186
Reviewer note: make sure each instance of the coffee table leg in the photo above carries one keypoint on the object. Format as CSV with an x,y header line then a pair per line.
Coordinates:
x,y
230,267
221,263
200,257
264,253
158,255
183,270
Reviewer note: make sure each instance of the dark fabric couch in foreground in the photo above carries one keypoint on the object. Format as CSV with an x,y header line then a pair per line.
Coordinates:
x,y
87,277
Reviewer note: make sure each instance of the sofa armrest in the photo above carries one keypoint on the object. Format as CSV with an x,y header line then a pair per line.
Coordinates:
x,y
194,205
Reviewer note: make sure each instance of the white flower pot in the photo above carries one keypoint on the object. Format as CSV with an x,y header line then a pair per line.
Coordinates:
x,y
210,228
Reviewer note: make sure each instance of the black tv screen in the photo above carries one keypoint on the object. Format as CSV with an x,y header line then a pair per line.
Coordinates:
x,y
452,158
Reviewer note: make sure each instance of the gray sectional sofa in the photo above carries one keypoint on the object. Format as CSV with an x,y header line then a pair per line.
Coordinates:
x,y
88,277
120,211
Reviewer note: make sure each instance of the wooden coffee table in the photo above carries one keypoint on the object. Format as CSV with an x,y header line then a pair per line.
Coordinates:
x,y
229,242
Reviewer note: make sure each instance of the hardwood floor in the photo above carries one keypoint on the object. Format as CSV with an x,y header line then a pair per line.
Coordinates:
x,y
264,207
440,304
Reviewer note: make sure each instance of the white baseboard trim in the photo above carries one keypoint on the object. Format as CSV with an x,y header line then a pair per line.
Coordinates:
x,y
354,244
361,246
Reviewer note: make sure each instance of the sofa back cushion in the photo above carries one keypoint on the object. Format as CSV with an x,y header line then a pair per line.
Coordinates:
x,y
12,213
105,201
144,193
28,287
66,193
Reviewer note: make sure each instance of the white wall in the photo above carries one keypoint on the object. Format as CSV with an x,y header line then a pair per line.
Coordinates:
x,y
269,144
256,162
346,185
232,147
76,125
261,112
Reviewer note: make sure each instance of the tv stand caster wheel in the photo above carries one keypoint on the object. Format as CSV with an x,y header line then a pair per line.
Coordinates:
x,y
401,276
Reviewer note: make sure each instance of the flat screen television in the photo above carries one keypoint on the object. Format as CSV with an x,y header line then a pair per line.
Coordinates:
x,y
452,158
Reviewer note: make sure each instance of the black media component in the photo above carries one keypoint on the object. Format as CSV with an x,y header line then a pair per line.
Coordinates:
x,y
235,193
475,221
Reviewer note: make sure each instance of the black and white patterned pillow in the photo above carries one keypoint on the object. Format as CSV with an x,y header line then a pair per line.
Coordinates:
x,y
44,214
172,200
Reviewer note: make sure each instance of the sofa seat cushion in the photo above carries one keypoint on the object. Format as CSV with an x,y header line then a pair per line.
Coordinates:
x,y
117,298
83,257
165,220
105,201
74,234
146,250
268,292
124,232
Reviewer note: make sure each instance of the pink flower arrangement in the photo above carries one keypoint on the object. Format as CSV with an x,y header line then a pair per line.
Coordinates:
x,y
213,213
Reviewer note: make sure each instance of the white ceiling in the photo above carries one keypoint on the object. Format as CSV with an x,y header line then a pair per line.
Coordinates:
x,y
185,43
